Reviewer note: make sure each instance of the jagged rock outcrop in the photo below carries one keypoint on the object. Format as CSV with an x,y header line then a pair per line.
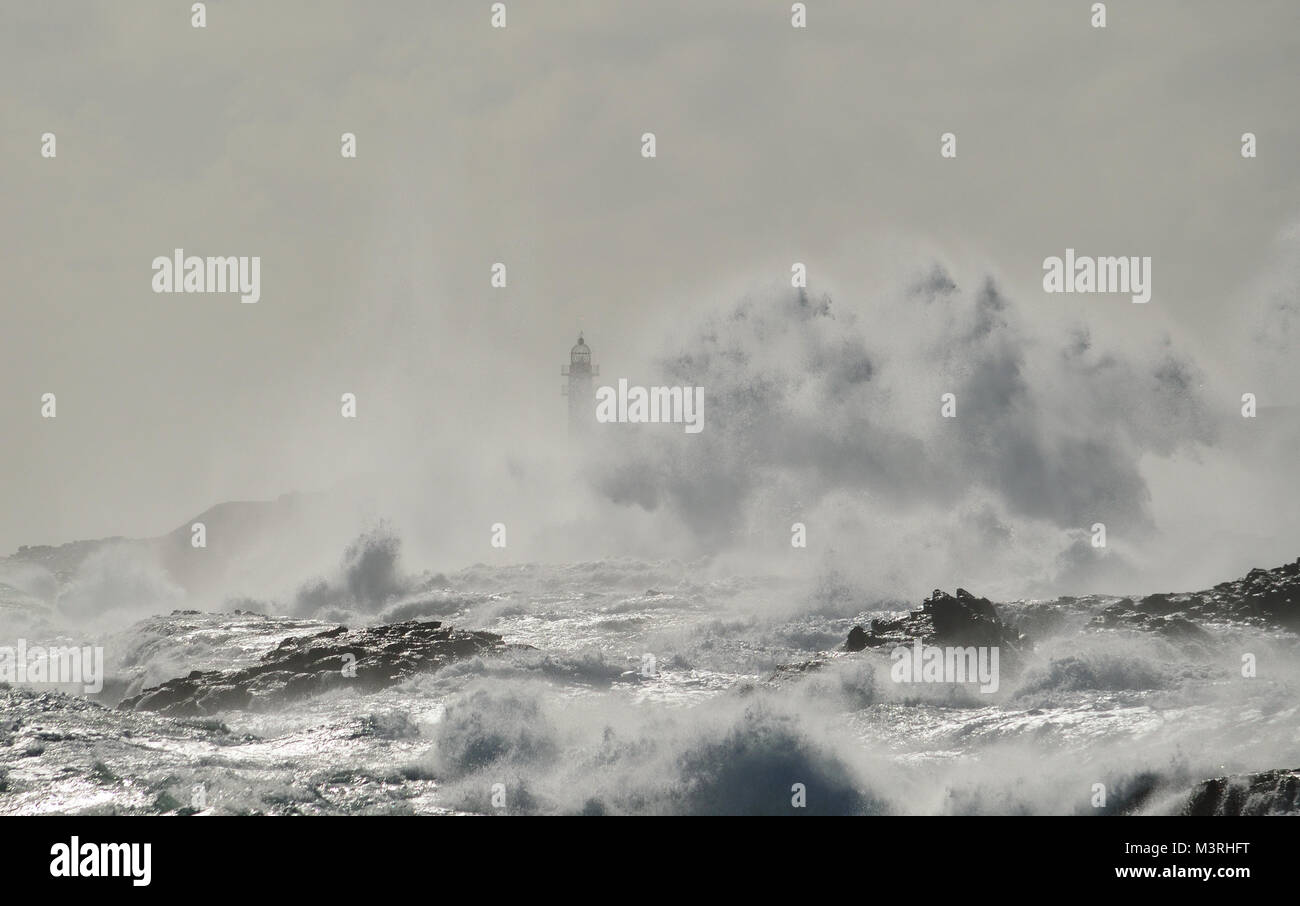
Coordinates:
x,y
366,659
1267,598
1265,793
1263,597
961,619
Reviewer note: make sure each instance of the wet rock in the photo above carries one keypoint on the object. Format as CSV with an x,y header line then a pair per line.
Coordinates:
x,y
1263,597
944,619
857,639
1160,605
366,659
1181,630
1265,793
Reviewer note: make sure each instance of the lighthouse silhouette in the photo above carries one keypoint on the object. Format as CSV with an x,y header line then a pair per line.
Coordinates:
x,y
582,399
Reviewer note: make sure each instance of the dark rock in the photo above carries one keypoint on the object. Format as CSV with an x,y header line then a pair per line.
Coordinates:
x,y
1265,793
1263,597
309,665
1158,604
944,619
857,638
1180,629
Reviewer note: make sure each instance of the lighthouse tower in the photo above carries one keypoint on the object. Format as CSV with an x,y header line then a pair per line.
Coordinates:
x,y
582,399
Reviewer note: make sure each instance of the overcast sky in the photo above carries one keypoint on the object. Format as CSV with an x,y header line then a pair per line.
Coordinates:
x,y
522,145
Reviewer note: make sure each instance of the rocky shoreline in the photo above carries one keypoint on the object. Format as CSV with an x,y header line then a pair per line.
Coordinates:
x,y
1264,598
1264,793
372,658
365,659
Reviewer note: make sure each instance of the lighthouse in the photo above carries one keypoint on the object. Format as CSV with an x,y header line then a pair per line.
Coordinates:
x,y
582,399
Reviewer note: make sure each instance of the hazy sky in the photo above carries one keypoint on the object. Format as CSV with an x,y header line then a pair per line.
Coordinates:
x,y
522,145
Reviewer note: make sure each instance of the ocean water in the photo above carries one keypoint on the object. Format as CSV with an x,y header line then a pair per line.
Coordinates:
x,y
650,690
